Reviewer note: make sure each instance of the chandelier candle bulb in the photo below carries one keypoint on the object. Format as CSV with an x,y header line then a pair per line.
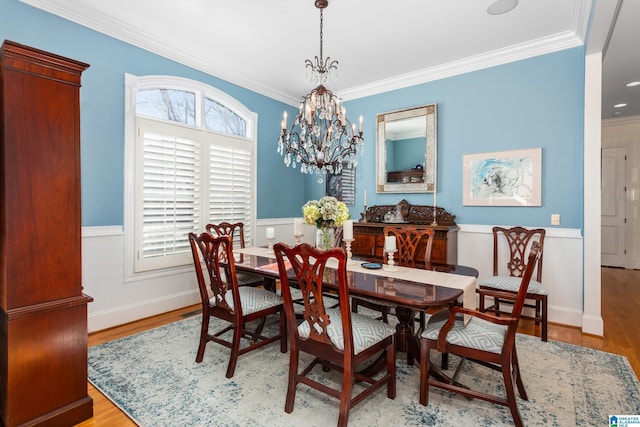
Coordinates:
x,y
365,197
360,129
390,243
347,230
271,233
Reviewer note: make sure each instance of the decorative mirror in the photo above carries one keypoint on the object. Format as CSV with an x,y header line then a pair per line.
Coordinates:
x,y
406,150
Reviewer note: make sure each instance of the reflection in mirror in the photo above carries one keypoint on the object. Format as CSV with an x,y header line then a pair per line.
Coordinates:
x,y
406,150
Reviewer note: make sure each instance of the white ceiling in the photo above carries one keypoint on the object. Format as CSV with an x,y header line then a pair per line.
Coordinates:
x,y
380,45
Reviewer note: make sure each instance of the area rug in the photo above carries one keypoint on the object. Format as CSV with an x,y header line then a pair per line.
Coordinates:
x,y
153,377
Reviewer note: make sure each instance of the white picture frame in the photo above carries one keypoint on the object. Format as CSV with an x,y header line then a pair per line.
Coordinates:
x,y
503,178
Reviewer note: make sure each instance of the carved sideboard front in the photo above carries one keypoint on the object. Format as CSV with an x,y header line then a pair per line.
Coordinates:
x,y
369,238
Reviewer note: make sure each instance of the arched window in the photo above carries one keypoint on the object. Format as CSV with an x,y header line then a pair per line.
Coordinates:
x,y
192,163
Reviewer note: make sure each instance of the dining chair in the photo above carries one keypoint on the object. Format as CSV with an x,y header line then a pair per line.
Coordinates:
x,y
236,231
486,339
517,240
408,240
337,338
222,298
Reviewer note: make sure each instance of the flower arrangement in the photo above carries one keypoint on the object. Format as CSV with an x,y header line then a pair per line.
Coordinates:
x,y
326,212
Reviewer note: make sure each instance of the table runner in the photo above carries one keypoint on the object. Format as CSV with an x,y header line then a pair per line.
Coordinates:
x,y
449,280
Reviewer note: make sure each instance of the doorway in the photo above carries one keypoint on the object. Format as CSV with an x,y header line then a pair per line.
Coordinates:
x,y
613,209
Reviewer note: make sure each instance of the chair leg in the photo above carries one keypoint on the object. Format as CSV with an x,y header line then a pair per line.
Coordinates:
x,y
391,369
235,349
496,306
204,330
543,315
260,326
293,384
511,395
481,302
354,305
516,371
424,371
345,397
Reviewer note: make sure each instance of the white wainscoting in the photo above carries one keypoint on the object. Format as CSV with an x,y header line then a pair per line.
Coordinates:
x,y
118,301
561,267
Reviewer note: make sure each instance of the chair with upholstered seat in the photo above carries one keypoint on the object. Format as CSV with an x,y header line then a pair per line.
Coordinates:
x,y
222,298
236,231
486,339
337,338
408,239
511,255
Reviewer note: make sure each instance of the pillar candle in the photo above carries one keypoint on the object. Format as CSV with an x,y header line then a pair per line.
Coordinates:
x,y
347,230
271,233
390,243
297,226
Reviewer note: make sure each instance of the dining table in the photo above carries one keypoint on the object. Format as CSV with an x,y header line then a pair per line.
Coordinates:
x,y
410,289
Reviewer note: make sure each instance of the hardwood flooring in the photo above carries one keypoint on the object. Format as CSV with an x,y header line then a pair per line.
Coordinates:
x,y
620,312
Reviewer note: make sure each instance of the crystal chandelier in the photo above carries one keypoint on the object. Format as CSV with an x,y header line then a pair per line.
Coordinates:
x,y
321,138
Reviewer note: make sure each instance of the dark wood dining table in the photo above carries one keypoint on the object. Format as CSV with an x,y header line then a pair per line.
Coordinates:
x,y
409,295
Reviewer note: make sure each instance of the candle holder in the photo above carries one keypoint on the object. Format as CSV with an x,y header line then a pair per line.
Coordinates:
x,y
434,223
347,243
364,214
391,264
298,238
270,245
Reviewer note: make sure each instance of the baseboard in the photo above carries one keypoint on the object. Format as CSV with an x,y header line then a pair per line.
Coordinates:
x,y
125,314
593,325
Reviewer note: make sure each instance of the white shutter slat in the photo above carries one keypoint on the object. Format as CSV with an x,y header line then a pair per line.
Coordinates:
x,y
170,202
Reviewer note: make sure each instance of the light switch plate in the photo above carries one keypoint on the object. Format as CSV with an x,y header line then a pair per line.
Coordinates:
x,y
555,219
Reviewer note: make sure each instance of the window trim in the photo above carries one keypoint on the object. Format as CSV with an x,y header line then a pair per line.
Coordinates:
x,y
132,84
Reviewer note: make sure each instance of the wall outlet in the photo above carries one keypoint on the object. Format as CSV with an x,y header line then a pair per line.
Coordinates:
x,y
555,219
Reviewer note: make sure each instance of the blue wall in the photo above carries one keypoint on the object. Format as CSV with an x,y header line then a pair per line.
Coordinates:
x,y
102,111
536,102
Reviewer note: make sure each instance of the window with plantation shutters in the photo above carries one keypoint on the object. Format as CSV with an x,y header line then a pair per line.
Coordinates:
x,y
194,164
230,196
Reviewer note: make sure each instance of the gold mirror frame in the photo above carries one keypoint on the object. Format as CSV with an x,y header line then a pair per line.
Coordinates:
x,y
400,125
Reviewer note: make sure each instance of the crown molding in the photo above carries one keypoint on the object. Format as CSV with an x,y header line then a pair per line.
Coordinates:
x,y
118,30
181,54
530,49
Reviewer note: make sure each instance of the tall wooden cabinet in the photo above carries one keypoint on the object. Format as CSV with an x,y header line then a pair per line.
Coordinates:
x,y
43,312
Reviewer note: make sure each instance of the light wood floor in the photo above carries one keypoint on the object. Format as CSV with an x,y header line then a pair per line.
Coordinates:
x,y
620,312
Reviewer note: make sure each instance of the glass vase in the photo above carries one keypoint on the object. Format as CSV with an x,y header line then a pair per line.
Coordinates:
x,y
325,238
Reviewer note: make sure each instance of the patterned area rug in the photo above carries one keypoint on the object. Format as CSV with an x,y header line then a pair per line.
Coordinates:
x,y
153,377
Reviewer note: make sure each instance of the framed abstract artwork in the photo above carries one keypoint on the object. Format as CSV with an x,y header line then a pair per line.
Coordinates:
x,y
504,178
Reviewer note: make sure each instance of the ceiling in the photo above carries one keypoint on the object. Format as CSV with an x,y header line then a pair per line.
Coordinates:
x,y
380,45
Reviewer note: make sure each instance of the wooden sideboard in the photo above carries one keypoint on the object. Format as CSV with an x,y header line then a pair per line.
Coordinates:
x,y
369,238
43,312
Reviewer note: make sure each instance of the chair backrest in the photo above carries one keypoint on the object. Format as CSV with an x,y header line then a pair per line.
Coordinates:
x,y
519,240
407,241
235,230
534,257
308,264
222,278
